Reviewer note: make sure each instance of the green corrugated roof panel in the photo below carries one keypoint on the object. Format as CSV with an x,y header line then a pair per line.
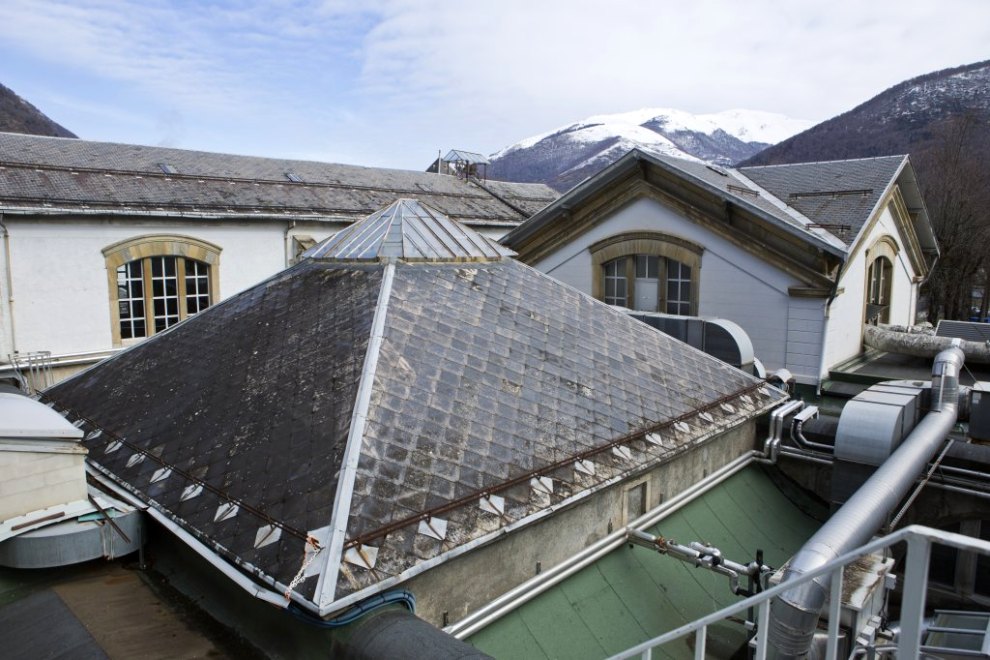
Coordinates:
x,y
633,594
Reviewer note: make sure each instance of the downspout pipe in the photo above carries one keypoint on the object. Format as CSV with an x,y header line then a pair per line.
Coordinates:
x,y
9,280
794,614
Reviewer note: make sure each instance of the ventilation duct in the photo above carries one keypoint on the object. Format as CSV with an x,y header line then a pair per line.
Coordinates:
x,y
719,338
794,614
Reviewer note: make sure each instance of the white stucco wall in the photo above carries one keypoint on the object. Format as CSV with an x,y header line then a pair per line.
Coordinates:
x,y
61,302
733,283
848,312
60,286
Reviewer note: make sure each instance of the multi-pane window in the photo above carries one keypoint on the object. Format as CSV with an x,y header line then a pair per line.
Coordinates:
x,y
648,283
155,293
130,298
878,289
197,286
615,282
678,288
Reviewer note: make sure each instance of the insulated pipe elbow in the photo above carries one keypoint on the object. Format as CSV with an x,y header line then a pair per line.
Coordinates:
x,y
794,614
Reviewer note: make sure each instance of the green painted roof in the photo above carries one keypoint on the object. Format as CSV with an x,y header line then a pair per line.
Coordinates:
x,y
633,594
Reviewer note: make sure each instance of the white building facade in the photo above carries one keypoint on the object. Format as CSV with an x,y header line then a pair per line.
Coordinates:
x,y
799,256
106,244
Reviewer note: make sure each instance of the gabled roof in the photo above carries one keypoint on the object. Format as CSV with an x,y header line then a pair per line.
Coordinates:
x,y
720,183
346,425
45,175
410,231
826,206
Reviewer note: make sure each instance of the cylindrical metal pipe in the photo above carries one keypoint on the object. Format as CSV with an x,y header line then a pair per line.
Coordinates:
x,y
794,614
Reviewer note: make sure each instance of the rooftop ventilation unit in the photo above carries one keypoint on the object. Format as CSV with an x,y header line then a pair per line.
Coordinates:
x,y
718,337
979,412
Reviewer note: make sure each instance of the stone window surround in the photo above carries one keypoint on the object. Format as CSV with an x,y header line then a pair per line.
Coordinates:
x,y
157,245
651,243
884,247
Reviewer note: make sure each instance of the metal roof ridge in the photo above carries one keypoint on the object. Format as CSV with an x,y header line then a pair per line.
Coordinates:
x,y
326,587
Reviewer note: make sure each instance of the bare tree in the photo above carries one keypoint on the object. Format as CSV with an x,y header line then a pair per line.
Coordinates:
x,y
957,194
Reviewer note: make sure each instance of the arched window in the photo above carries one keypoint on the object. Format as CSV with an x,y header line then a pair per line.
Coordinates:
x,y
878,291
157,281
879,279
647,271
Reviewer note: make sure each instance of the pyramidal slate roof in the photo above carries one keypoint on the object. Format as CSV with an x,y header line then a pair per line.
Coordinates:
x,y
408,230
346,425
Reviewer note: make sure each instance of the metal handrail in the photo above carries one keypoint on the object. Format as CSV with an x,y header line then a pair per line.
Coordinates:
x,y
919,540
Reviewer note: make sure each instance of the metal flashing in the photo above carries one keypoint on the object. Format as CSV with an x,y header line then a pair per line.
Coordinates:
x,y
434,528
191,491
326,587
492,504
267,534
225,511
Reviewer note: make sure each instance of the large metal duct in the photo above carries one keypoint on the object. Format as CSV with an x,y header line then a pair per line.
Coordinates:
x,y
794,614
913,341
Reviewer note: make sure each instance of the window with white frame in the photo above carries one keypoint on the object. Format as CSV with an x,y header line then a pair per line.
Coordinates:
x,y
157,281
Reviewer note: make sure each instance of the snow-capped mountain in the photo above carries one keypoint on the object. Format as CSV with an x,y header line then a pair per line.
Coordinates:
x,y
906,119
568,154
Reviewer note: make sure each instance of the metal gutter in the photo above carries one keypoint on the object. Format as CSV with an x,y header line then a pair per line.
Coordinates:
x,y
347,217
224,567
533,587
258,591
326,587
523,522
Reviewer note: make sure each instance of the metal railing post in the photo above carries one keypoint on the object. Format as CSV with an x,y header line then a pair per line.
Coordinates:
x,y
834,615
913,604
700,639
763,629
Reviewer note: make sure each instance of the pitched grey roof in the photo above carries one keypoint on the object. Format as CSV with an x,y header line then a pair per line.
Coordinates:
x,y
57,173
837,195
411,231
418,408
740,191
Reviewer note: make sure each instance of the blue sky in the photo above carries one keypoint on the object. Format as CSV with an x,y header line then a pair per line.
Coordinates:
x,y
391,82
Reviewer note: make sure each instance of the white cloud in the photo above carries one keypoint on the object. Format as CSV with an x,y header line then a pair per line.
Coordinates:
x,y
390,81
